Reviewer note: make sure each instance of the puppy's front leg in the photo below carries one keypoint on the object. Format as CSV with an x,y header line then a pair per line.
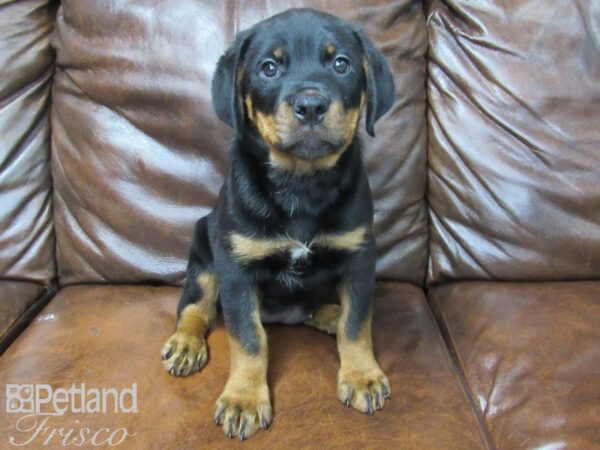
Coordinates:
x,y
244,405
361,382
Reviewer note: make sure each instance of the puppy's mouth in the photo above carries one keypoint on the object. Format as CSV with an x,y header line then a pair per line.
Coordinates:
x,y
309,142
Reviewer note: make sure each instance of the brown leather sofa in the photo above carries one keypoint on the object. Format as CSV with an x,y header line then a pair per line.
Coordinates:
x,y
486,178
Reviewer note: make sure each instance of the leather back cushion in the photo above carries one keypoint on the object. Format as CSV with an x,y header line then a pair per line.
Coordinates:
x,y
26,65
139,155
514,148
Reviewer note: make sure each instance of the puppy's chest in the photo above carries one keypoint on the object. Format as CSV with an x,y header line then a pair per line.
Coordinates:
x,y
289,258
291,267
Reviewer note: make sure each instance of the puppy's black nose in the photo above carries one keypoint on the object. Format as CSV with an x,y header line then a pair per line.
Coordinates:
x,y
310,108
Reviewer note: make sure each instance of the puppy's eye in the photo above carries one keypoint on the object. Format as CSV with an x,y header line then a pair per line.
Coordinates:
x,y
269,69
341,64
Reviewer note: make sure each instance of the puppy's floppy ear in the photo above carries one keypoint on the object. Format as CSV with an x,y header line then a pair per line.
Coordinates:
x,y
380,83
226,95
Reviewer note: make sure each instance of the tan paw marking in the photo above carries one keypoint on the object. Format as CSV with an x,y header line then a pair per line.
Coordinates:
x,y
242,411
184,354
365,390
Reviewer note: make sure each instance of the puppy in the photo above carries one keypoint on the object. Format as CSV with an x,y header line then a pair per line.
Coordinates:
x,y
290,239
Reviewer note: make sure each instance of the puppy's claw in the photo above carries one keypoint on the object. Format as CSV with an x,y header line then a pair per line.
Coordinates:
x,y
369,403
264,423
218,414
377,403
386,393
242,430
168,354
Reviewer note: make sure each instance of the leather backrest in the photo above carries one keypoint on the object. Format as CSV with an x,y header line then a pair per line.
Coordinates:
x,y
139,155
514,140
26,67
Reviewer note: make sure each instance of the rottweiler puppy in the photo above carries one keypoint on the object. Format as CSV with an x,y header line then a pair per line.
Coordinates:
x,y
290,239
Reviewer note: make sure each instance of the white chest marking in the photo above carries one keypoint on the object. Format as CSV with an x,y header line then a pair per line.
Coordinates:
x,y
299,252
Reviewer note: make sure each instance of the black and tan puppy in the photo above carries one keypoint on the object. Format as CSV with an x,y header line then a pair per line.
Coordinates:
x,y
290,239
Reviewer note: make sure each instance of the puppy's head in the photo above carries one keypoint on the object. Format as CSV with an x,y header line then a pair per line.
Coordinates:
x,y
300,80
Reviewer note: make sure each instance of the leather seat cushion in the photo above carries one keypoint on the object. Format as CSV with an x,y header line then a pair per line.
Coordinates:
x,y
110,336
531,354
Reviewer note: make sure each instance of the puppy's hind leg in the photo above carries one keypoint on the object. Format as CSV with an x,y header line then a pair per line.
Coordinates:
x,y
185,352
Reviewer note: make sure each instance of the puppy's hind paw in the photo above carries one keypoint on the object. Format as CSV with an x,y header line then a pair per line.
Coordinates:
x,y
326,318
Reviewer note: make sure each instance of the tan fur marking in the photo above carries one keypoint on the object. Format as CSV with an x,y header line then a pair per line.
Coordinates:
x,y
275,128
193,320
267,128
185,351
363,97
238,87
326,318
278,53
330,49
248,249
341,122
285,116
353,352
271,127
290,163
337,121
197,317
249,107
248,371
360,376
351,240
245,398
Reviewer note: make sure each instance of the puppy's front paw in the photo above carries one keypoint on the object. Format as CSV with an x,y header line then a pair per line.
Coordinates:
x,y
243,409
184,354
364,389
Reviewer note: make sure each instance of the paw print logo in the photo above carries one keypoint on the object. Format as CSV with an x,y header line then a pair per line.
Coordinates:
x,y
20,398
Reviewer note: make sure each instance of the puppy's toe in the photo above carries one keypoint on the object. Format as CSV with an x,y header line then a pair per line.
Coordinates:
x,y
184,354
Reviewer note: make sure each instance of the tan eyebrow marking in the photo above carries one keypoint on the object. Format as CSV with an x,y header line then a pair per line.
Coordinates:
x,y
278,53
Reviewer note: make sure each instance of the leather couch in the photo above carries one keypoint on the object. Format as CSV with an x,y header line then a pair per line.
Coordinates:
x,y
486,179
